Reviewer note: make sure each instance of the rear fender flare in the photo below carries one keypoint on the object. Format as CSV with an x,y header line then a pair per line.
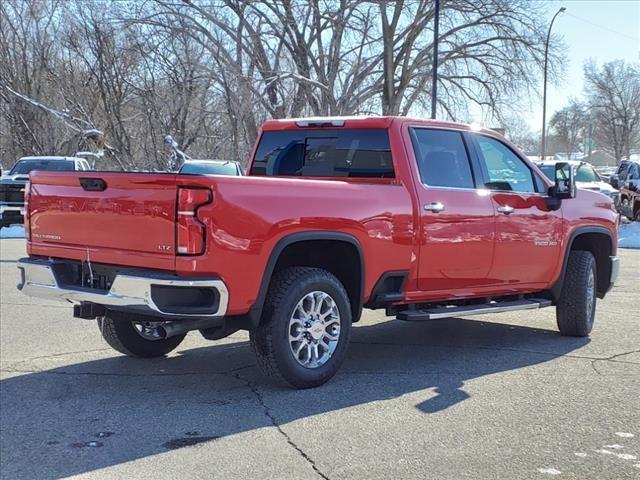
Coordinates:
x,y
252,318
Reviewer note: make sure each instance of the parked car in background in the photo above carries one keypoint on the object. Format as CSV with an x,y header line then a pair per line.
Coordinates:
x,y
629,205
13,182
211,167
606,172
620,174
586,177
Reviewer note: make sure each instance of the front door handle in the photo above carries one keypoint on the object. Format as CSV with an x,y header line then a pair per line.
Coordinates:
x,y
434,207
506,209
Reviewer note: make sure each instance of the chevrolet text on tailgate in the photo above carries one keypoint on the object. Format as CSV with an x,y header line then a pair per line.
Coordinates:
x,y
426,219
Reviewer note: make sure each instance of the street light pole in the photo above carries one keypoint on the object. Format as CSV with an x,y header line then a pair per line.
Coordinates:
x,y
434,80
544,88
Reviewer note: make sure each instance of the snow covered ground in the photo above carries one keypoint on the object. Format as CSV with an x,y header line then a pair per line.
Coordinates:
x,y
628,237
14,231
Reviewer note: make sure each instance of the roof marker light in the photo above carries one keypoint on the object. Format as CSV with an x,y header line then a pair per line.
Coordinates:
x,y
320,122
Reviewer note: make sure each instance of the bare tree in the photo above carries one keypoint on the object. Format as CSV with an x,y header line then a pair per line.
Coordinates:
x,y
210,72
569,126
613,92
518,131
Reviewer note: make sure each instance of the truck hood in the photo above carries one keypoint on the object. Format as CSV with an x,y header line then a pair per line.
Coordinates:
x,y
14,180
601,187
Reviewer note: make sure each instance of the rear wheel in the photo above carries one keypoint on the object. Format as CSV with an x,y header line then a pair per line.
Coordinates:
x,y
305,328
576,308
135,336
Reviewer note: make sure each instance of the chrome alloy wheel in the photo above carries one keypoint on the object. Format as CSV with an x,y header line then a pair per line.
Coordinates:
x,y
147,330
591,294
314,329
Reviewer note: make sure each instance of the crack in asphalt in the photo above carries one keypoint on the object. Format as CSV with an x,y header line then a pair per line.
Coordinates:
x,y
55,355
46,305
12,368
611,358
107,374
267,411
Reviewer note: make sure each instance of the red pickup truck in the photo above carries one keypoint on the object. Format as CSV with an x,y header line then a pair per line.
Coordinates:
x,y
427,219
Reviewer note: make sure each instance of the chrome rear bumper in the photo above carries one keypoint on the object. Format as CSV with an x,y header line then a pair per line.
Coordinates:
x,y
142,292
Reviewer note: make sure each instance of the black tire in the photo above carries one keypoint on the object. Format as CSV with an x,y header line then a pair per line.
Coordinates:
x,y
576,308
118,330
270,340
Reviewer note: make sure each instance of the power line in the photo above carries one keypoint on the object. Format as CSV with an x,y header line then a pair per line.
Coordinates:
x,y
602,26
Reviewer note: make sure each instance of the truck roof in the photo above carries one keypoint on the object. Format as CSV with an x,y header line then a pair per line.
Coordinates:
x,y
50,157
364,122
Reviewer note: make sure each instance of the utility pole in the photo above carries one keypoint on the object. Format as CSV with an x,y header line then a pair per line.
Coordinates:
x,y
544,94
434,80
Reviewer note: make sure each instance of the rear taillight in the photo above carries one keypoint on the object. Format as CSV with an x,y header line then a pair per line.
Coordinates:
x,y
27,211
190,231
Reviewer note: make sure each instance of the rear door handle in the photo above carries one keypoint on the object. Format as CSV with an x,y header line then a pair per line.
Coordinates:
x,y
434,207
506,209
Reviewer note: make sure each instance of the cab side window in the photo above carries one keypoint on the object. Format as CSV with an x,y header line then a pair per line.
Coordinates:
x,y
442,158
504,169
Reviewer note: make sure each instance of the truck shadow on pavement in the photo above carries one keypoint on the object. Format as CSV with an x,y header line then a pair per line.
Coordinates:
x,y
80,417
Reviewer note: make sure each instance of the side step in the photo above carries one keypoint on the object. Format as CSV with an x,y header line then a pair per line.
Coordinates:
x,y
460,311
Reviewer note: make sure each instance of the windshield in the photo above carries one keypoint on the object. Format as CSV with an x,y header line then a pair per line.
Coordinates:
x,y
24,167
586,174
209,168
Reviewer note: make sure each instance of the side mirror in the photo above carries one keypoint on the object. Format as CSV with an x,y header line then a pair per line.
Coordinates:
x,y
565,182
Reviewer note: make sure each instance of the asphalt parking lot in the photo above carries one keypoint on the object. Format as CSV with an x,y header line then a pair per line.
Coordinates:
x,y
498,396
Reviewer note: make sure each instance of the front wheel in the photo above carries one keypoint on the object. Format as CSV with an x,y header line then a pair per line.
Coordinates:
x,y
576,308
305,327
135,336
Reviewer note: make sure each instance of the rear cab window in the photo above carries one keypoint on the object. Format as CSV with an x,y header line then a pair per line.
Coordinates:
x,y
24,167
324,153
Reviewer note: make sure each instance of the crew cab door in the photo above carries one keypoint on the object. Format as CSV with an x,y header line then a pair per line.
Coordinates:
x,y
456,219
528,234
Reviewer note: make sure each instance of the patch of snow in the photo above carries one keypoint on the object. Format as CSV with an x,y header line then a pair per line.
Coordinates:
x,y
580,454
14,231
629,235
606,452
549,471
625,434
627,456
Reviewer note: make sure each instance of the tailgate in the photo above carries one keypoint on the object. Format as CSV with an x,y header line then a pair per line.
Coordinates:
x,y
105,217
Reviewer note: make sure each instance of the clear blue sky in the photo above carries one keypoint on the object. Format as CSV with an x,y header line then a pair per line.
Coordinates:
x,y
604,30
